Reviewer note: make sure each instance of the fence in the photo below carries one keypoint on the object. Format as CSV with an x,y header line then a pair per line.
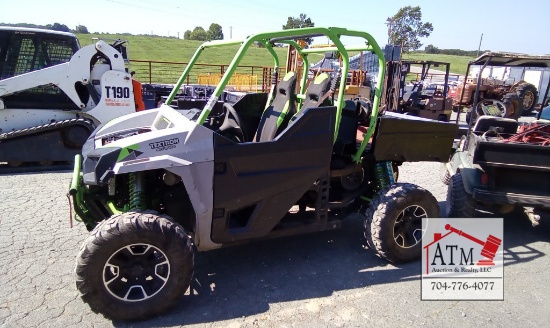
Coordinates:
x,y
433,77
245,78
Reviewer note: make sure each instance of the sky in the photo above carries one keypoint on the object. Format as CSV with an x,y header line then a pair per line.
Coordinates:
x,y
506,25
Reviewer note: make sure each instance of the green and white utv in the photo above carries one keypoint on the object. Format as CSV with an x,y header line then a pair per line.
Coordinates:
x,y
157,186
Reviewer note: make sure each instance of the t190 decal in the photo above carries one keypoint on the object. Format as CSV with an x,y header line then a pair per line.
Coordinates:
x,y
117,92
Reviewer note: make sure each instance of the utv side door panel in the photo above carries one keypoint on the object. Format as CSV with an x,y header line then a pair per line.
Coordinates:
x,y
255,184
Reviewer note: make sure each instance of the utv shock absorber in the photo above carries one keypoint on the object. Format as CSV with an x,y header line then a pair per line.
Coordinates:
x,y
384,174
137,197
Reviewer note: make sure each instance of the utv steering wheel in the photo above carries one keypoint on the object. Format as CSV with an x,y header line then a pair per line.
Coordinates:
x,y
491,107
231,126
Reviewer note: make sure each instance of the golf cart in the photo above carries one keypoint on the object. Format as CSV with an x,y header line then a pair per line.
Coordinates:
x,y
500,165
156,186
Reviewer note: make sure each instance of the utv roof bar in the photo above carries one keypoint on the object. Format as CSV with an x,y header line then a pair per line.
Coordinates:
x,y
296,37
288,36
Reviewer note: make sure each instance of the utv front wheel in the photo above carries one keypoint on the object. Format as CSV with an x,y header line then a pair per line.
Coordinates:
x,y
134,266
393,225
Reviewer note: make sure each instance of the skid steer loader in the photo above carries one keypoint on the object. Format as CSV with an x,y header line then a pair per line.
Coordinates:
x,y
154,186
53,94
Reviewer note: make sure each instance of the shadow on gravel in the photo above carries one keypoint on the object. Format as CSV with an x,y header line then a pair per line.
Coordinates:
x,y
34,169
245,280
519,233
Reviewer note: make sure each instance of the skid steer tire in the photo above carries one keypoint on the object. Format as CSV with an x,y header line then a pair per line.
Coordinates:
x,y
527,94
459,203
393,221
134,266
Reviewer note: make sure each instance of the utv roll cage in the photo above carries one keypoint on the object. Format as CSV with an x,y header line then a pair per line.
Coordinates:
x,y
290,37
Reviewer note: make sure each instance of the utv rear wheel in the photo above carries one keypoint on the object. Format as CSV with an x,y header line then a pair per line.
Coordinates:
x,y
393,224
459,203
134,266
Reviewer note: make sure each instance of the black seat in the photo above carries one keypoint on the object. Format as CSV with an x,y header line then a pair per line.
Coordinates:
x,y
501,125
276,117
413,94
316,91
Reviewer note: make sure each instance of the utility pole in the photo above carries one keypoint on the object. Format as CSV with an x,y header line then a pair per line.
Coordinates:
x,y
389,22
230,32
479,47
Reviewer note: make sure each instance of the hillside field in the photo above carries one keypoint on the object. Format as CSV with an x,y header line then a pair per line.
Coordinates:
x,y
166,49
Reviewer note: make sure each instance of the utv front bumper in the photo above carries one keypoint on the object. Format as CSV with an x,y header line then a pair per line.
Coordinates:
x,y
86,208
494,197
99,164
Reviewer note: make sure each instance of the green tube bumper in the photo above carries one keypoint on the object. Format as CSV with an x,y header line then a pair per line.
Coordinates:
x,y
77,191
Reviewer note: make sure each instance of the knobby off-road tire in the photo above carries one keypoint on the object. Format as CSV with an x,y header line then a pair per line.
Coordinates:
x,y
444,174
528,96
134,266
393,223
459,203
514,106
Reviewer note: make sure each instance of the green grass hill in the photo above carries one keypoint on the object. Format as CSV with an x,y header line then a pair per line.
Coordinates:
x,y
155,48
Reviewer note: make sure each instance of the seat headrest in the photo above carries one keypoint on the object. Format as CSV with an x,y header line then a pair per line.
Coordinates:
x,y
316,90
287,84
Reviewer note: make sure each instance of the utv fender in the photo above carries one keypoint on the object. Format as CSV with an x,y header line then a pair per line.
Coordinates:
x,y
461,163
470,179
198,179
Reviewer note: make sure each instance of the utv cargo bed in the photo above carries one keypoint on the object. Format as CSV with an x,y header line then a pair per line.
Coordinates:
x,y
520,156
407,138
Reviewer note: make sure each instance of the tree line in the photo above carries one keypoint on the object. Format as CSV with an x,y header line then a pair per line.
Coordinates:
x,y
200,34
431,49
405,28
55,26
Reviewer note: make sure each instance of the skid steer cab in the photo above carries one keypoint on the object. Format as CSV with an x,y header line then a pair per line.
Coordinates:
x,y
46,115
298,159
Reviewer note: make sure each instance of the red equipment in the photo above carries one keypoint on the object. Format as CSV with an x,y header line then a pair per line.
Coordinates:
x,y
490,247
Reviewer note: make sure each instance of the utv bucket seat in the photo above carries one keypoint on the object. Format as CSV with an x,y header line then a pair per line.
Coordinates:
x,y
276,117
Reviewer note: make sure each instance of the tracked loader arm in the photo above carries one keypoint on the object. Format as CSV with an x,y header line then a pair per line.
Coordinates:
x,y
67,75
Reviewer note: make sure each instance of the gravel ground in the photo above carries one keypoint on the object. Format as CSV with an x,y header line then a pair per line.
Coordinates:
x,y
324,279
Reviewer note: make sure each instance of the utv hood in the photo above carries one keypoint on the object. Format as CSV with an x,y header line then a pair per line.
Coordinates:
x,y
146,140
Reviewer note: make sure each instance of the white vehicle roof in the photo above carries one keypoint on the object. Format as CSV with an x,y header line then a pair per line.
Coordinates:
x,y
34,30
